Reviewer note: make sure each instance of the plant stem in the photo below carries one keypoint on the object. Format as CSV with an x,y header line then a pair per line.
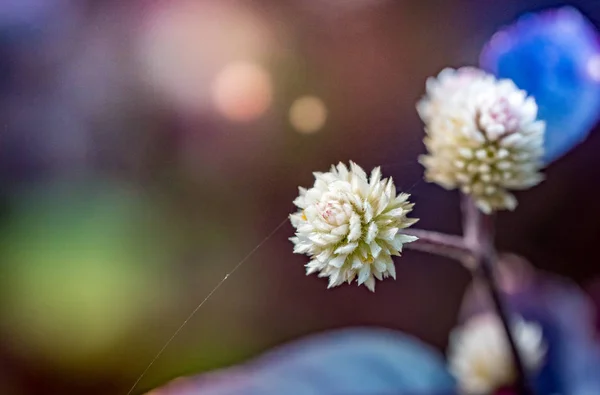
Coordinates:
x,y
441,244
476,250
479,236
485,272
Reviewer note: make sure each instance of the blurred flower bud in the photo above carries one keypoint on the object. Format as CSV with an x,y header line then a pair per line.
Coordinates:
x,y
480,357
483,136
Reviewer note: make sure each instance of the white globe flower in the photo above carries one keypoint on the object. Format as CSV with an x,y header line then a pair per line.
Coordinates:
x,y
479,355
448,82
483,137
351,226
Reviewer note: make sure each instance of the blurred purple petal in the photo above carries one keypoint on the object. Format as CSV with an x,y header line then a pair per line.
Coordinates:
x,y
357,361
555,56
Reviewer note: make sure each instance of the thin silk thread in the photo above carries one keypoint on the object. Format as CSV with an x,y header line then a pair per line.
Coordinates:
x,y
199,306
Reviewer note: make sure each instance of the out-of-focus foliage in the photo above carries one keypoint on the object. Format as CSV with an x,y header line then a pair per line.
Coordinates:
x,y
555,57
356,361
81,263
381,362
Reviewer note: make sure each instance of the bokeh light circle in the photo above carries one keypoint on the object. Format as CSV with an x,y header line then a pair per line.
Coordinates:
x,y
308,114
242,91
183,44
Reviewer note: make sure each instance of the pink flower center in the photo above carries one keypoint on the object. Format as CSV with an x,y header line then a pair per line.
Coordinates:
x,y
332,213
502,114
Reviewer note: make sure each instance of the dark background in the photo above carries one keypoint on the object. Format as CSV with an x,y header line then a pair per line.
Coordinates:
x,y
127,193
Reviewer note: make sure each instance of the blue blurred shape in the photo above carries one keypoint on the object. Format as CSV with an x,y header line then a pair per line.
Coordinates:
x,y
576,361
555,56
351,361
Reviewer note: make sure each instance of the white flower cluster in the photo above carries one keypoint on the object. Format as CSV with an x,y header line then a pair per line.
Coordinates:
x,y
479,355
350,225
483,137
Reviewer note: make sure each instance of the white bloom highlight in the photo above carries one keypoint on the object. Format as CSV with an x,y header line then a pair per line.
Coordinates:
x,y
483,137
350,225
448,82
479,355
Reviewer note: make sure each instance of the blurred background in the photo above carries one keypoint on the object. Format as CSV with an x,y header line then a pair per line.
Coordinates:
x,y
146,146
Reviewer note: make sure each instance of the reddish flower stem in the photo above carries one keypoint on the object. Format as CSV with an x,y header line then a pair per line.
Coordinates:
x,y
476,250
479,230
442,244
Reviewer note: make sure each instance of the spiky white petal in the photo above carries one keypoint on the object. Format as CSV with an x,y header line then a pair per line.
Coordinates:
x,y
350,225
483,137
480,358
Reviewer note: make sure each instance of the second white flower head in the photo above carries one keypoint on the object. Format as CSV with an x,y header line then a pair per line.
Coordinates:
x,y
483,136
480,357
350,225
